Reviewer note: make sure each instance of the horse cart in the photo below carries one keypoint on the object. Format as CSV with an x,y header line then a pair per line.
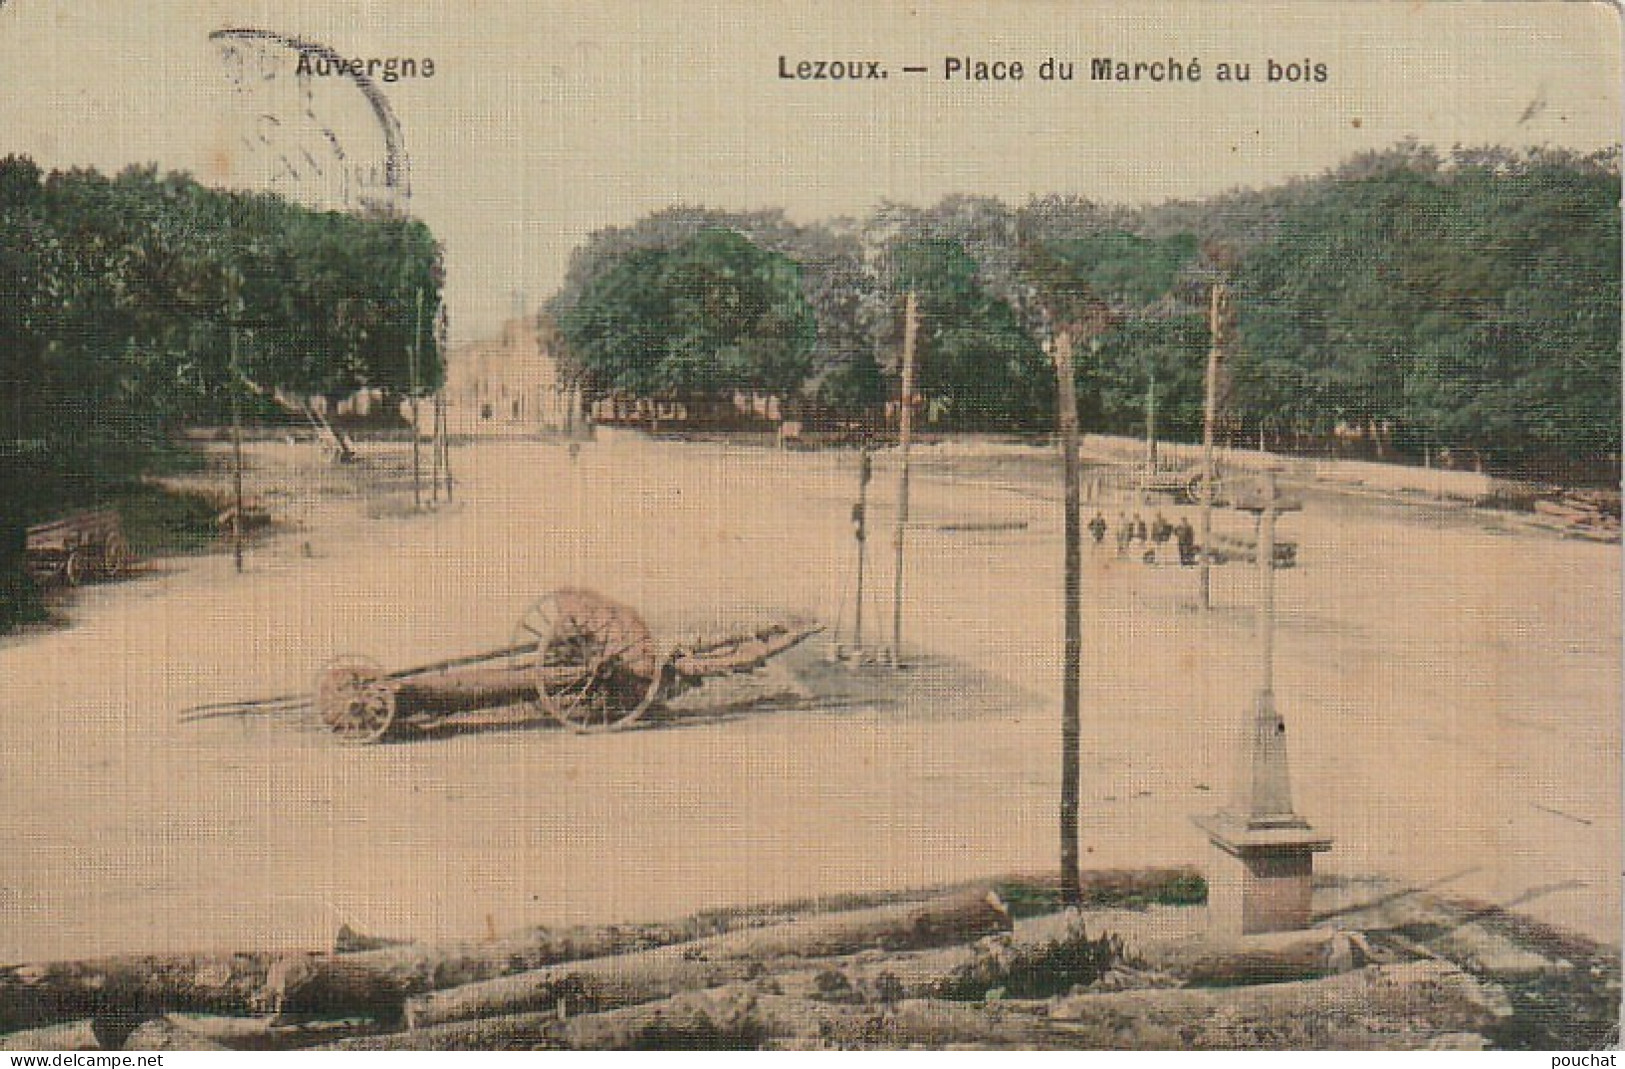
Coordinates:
x,y
1184,485
588,662
77,549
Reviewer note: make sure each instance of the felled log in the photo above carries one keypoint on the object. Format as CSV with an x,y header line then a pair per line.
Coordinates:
x,y
163,1034
316,986
346,982
1049,955
268,1032
69,1035
1275,958
238,985
736,1017
741,1019
1380,1006
580,987
650,975
130,987
1565,511
520,1031
740,653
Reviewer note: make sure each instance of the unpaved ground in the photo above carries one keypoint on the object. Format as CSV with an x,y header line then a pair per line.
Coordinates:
x,y
1452,690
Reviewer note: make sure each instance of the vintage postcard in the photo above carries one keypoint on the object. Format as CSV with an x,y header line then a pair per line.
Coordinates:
x,y
809,526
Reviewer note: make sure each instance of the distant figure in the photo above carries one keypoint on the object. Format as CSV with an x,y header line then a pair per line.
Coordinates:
x,y
1160,528
1139,528
1097,528
1125,534
1185,537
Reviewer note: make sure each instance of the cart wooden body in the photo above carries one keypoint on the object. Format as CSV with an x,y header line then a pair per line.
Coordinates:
x,y
77,549
586,661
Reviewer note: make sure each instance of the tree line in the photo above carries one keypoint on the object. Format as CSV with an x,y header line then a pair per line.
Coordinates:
x,y
1467,301
139,303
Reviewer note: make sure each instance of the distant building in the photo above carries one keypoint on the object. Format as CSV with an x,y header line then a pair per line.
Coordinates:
x,y
511,382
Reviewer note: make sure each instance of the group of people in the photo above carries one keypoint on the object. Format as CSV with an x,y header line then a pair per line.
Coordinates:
x,y
1152,537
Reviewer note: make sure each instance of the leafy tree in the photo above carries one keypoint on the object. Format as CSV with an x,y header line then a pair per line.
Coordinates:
x,y
978,368
712,314
1465,303
832,276
121,297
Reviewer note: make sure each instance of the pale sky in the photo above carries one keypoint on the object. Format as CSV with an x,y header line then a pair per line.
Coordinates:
x,y
545,120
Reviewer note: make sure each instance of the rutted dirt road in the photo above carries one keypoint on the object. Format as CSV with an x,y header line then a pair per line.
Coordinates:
x,y
1452,688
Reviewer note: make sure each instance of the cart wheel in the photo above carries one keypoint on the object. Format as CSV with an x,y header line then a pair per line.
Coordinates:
x,y
77,570
354,699
594,660
1195,488
115,556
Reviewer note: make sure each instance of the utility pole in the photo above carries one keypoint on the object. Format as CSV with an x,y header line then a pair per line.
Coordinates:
x,y
1216,334
236,432
417,463
905,430
1071,731
437,408
1151,425
860,529
443,336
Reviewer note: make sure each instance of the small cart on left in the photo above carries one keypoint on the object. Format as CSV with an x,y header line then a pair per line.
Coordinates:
x,y
79,548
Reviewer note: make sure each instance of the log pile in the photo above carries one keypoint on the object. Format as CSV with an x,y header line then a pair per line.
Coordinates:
x,y
1589,514
950,969
1237,547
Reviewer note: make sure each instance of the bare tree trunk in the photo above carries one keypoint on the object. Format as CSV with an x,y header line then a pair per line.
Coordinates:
x,y
1377,1007
654,974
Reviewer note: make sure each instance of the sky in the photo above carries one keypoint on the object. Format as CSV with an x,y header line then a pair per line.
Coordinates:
x,y
544,121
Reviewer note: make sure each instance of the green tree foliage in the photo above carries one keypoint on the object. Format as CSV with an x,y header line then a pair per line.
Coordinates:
x,y
831,274
978,368
710,314
1468,304
1165,352
120,296
1468,301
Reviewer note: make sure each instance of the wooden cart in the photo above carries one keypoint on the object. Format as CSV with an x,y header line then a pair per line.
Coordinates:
x,y
588,662
79,548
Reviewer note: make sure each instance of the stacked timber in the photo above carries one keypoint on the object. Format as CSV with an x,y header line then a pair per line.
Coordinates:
x,y
1231,547
949,969
1589,514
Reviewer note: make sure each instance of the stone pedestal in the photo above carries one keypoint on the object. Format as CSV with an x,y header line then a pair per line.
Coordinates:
x,y
1262,877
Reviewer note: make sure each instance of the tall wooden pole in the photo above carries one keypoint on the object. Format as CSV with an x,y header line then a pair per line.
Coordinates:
x,y
1210,404
905,431
236,443
417,462
860,529
438,416
1067,409
1151,424
443,338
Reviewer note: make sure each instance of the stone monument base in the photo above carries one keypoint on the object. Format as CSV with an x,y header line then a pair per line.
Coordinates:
x,y
1263,875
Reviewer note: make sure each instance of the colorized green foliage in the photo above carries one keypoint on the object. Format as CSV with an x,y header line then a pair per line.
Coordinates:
x,y
711,314
120,298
